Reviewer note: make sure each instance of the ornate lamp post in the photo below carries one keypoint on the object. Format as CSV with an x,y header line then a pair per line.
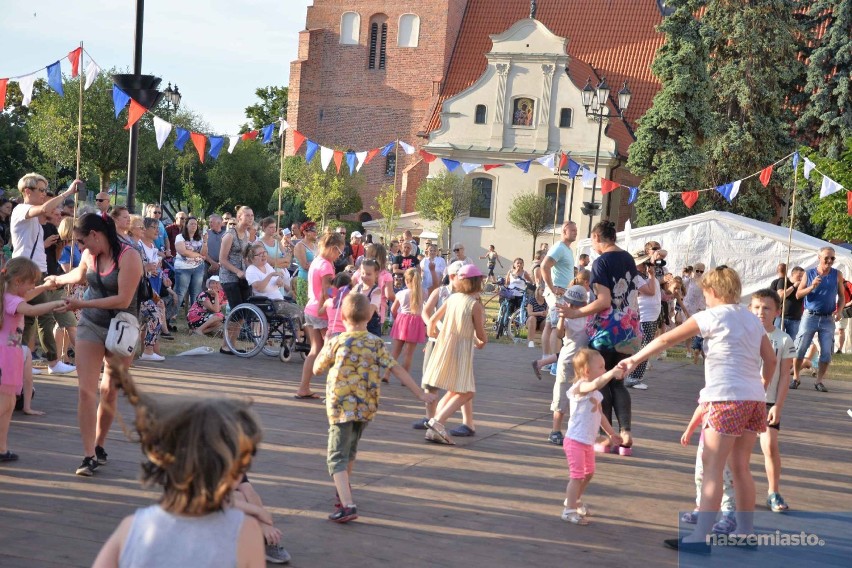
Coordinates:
x,y
172,97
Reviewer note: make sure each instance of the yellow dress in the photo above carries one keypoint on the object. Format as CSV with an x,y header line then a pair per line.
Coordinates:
x,y
451,363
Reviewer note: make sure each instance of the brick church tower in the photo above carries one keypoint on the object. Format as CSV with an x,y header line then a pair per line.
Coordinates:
x,y
369,72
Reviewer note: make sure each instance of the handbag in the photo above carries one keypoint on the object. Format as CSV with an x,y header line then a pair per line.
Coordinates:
x,y
123,331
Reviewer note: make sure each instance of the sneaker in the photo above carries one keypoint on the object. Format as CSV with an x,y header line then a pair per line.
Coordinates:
x,y
556,438
88,467
344,514
100,455
37,371
572,516
61,369
8,456
726,525
420,424
820,387
531,344
639,386
276,554
689,518
776,503
553,369
151,357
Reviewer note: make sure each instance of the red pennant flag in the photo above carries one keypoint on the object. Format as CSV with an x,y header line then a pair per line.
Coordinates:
x,y
765,174
488,167
371,154
563,161
608,186
689,198
200,142
427,157
338,159
298,140
3,83
74,58
849,203
134,114
251,135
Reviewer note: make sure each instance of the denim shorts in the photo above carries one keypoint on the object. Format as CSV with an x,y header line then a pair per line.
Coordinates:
x,y
823,328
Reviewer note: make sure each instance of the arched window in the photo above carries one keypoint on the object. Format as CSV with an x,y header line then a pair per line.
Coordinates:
x,y
350,28
365,217
378,42
409,30
566,116
479,116
550,194
480,201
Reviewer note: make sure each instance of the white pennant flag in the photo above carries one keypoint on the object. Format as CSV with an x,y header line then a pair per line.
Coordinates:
x,y
92,71
809,165
26,85
588,176
664,198
407,148
232,143
467,168
284,126
735,189
326,154
548,161
829,186
161,129
360,156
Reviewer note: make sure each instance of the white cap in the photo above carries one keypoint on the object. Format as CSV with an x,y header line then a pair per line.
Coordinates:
x,y
454,267
576,295
287,232
356,234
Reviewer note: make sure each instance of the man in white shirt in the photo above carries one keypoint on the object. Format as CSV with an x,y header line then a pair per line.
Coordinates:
x,y
433,267
28,242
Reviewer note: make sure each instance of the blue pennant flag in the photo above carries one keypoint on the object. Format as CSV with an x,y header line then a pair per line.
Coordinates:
x,y
351,161
634,193
795,160
573,168
119,99
452,164
525,166
216,143
726,190
267,133
311,148
182,138
387,149
54,78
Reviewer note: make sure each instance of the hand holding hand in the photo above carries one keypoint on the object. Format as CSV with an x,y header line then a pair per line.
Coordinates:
x,y
72,304
618,373
428,397
626,365
50,282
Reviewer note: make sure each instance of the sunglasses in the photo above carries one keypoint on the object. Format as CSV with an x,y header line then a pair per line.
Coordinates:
x,y
99,200
158,212
828,258
456,250
699,272
655,248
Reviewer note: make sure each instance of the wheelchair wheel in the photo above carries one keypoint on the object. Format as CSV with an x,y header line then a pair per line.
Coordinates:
x,y
246,330
288,341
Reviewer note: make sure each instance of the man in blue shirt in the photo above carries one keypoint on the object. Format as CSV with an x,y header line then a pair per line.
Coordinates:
x,y
557,271
162,241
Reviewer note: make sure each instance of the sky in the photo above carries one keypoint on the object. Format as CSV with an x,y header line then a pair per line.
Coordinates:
x,y
217,51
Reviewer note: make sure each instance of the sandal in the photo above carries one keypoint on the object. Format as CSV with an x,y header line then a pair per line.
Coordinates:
x,y
794,384
776,503
573,516
690,518
440,432
536,370
310,396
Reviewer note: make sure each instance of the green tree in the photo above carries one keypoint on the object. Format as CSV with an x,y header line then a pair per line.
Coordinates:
x,y
827,116
531,214
830,213
272,106
322,194
246,177
306,183
669,148
444,198
15,146
388,207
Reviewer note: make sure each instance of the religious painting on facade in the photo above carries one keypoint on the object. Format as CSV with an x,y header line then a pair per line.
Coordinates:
x,y
522,112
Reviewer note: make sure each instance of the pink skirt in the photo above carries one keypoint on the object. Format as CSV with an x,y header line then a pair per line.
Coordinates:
x,y
409,327
12,375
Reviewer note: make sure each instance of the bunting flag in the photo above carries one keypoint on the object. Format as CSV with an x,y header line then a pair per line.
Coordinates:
x,y
573,168
298,140
563,160
182,138
310,150
524,166
849,203
250,135
608,186
407,148
729,190
74,58
134,114
689,198
352,162
233,143
829,186
548,161
92,72
326,154
338,159
216,143
450,164
387,149
361,157
267,133
765,174
26,86
489,167
371,154
735,189
161,130
795,160
467,168
283,126
199,141
3,83
809,165
634,193
119,99
54,78
427,157
588,176
664,198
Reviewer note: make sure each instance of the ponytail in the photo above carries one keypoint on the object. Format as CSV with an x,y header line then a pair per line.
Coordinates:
x,y
415,286
94,222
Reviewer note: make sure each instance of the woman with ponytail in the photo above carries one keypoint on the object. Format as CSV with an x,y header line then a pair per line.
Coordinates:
x,y
112,271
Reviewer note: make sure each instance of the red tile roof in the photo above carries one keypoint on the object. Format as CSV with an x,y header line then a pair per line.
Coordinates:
x,y
618,38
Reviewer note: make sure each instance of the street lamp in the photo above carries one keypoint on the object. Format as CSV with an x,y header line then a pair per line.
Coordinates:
x,y
172,97
595,102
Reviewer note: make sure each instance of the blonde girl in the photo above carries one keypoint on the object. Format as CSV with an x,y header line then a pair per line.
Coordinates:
x,y
384,278
408,328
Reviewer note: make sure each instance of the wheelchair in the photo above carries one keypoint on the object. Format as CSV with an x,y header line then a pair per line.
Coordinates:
x,y
269,326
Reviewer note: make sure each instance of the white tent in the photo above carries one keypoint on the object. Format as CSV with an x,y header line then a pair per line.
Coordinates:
x,y
752,248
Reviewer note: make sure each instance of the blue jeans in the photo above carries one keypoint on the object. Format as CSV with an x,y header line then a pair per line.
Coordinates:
x,y
823,328
791,327
189,280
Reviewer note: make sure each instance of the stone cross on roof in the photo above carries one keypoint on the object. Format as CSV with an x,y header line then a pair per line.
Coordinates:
x,y
533,9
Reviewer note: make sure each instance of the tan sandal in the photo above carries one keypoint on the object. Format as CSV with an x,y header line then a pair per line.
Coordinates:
x,y
440,431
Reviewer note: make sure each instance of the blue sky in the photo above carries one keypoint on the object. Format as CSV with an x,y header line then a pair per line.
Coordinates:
x,y
217,51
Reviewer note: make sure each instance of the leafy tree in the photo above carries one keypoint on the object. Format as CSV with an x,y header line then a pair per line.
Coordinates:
x,y
444,198
531,214
827,117
271,106
246,177
388,206
669,148
322,195
15,146
830,212
306,183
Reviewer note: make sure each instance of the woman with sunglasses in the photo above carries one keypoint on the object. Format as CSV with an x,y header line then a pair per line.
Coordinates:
x,y
304,253
232,265
694,302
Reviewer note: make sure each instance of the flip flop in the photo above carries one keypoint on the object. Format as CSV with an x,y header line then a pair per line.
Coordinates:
x,y
536,370
224,352
313,395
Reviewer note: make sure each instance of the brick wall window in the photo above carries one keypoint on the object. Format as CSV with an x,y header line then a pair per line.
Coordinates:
x,y
390,165
566,118
409,30
350,28
479,115
378,42
480,202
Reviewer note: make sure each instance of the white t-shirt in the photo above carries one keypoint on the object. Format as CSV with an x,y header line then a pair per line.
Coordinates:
x,y
784,349
186,263
255,274
585,418
732,337
440,267
693,300
28,236
650,306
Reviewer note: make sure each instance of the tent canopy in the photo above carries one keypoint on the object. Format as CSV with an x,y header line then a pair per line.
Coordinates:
x,y
752,248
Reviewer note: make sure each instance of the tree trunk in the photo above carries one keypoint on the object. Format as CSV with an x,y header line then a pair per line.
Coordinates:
x,y
106,176
535,239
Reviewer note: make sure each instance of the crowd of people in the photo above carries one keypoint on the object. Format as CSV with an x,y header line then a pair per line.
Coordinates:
x,y
73,272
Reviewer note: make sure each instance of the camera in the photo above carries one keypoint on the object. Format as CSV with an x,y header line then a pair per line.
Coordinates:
x,y
660,262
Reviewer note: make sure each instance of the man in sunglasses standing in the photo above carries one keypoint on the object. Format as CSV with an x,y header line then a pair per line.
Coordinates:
x,y
28,241
102,203
822,289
